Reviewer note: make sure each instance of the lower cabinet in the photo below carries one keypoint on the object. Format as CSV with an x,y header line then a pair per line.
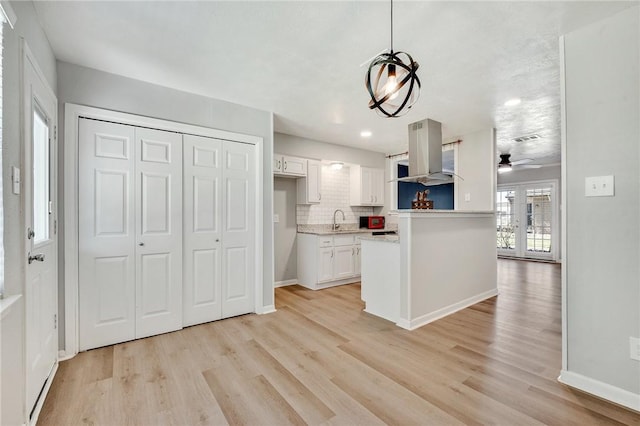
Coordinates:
x,y
328,260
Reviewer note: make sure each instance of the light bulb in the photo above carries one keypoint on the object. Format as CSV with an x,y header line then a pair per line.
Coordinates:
x,y
391,87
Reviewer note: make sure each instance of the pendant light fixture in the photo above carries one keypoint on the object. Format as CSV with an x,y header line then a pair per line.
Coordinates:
x,y
392,81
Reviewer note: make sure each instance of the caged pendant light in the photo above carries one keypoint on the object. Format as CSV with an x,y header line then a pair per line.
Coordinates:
x,y
392,81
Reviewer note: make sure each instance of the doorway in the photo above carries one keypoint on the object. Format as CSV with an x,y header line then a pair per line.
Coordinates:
x,y
526,220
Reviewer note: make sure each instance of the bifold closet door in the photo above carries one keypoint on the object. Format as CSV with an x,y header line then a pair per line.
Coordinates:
x,y
130,232
106,228
219,229
158,232
238,229
202,229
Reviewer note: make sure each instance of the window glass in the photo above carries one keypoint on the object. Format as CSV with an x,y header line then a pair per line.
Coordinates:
x,y
40,177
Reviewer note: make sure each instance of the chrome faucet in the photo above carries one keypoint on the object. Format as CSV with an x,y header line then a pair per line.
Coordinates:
x,y
335,225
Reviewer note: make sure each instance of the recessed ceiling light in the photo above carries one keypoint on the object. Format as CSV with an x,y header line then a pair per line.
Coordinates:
x,y
366,133
336,165
512,102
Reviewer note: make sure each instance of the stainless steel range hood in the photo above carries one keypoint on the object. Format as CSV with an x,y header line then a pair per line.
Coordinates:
x,y
425,154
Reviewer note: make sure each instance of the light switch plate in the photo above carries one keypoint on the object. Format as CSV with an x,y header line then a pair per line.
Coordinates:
x,y
15,180
599,186
467,196
276,218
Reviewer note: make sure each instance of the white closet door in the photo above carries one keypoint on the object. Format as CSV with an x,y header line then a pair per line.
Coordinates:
x,y
238,232
106,233
202,229
159,232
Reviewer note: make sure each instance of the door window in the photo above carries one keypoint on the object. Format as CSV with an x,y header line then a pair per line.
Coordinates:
x,y
41,184
525,215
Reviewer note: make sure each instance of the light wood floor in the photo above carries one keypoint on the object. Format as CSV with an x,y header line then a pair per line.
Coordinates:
x,y
321,360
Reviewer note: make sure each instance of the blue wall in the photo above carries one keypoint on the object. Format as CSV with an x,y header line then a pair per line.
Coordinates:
x,y
442,195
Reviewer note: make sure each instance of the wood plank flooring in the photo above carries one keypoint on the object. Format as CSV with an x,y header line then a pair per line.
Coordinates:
x,y
321,360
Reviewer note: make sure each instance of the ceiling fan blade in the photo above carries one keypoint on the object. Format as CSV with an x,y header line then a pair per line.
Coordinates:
x,y
528,166
523,161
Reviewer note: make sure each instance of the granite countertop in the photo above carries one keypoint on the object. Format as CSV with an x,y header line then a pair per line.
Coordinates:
x,y
345,228
383,238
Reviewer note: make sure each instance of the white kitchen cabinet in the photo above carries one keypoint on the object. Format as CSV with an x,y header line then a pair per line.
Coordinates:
x,y
367,186
325,261
287,166
344,262
309,186
325,264
358,256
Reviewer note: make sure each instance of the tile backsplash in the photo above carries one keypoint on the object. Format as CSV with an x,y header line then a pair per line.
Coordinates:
x,y
335,195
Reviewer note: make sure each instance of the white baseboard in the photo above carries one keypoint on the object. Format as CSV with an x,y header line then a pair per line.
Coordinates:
x,y
447,310
269,309
63,356
284,283
600,389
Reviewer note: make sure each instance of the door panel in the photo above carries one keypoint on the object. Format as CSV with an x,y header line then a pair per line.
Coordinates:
x,y
156,203
237,204
159,232
156,284
111,285
111,192
106,241
40,249
237,282
238,237
202,233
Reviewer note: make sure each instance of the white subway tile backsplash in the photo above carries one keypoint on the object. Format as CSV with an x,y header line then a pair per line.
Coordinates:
x,y
335,195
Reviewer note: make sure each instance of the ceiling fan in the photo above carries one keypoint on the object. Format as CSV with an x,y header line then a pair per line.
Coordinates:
x,y
506,165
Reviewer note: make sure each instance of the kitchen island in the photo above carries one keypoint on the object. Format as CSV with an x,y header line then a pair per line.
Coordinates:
x,y
443,261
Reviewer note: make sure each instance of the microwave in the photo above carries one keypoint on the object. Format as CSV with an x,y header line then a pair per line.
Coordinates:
x,y
372,222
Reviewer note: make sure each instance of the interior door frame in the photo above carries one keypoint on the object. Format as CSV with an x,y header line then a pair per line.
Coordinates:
x,y
72,114
555,217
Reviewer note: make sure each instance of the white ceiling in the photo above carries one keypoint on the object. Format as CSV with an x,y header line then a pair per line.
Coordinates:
x,y
301,60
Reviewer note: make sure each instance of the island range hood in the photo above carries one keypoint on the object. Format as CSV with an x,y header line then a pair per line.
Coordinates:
x,y
425,154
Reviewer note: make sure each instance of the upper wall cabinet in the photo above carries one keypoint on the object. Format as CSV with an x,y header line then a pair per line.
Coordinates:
x,y
367,186
284,165
309,187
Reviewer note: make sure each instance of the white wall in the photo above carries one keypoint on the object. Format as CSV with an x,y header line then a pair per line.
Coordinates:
x,y
603,233
94,88
477,166
309,148
28,28
530,175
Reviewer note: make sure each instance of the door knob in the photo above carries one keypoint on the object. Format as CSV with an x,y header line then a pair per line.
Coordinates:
x,y
141,244
217,240
36,257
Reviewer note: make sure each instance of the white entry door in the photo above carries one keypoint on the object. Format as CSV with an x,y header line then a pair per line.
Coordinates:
x,y
130,232
219,215
41,290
